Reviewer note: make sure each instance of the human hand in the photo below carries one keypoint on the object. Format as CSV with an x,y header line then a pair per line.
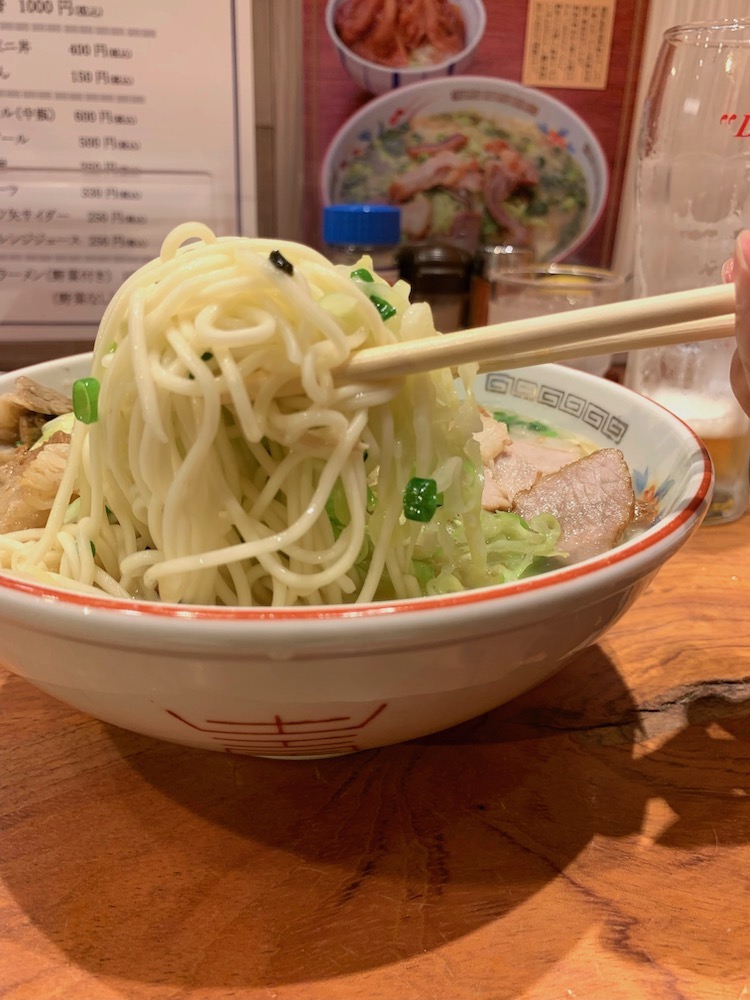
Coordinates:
x,y
738,270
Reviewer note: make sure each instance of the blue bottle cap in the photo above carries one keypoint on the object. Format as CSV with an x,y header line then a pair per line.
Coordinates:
x,y
362,225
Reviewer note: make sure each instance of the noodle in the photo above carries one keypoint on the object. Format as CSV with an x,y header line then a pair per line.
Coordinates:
x,y
226,467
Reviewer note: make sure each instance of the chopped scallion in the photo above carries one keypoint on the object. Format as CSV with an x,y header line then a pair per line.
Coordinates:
x,y
420,499
86,400
385,309
362,274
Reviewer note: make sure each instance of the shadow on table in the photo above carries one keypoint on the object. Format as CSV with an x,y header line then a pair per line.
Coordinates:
x,y
184,867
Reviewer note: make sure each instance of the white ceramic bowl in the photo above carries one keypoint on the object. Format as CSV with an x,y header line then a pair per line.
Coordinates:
x,y
368,153
377,79
306,682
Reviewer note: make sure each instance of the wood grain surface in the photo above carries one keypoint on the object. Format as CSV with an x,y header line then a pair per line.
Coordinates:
x,y
589,840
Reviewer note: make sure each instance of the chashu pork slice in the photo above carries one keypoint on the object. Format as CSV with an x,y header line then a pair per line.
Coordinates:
x,y
25,410
29,482
592,498
504,477
514,464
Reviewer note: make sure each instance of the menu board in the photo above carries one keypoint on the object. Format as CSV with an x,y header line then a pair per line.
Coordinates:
x,y
585,54
118,120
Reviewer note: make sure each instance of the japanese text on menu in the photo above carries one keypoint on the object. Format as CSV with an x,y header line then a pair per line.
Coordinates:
x,y
118,120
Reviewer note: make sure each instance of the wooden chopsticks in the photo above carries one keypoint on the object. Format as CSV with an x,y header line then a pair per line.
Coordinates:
x,y
697,314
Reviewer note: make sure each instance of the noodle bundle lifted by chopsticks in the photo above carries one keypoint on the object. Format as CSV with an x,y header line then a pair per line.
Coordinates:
x,y
216,462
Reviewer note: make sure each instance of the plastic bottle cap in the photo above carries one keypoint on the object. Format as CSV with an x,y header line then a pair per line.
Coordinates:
x,y
362,225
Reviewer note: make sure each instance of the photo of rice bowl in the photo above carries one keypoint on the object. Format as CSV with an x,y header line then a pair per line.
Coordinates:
x,y
416,33
385,46
473,161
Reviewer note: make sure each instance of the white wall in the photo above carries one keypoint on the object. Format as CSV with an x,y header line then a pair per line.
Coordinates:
x,y
277,36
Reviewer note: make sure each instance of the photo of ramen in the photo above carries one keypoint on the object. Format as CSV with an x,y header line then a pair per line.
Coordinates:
x,y
498,168
411,33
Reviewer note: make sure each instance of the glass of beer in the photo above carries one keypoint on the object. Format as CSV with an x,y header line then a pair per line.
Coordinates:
x,y
692,199
692,380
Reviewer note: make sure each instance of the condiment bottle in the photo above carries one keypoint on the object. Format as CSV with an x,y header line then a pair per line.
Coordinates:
x,y
439,274
353,231
489,261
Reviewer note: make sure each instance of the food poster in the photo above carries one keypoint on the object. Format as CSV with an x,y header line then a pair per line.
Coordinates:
x,y
473,156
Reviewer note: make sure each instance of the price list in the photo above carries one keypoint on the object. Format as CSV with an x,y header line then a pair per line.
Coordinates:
x,y
118,120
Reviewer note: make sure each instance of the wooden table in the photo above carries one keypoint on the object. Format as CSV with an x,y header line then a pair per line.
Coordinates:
x,y
589,840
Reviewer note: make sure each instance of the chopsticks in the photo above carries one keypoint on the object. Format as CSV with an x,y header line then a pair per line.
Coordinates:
x,y
677,317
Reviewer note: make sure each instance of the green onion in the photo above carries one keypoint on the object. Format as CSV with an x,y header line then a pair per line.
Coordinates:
x,y
420,499
362,274
86,400
385,309
424,571
206,356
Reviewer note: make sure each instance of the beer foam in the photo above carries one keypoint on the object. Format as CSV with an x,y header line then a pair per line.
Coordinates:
x,y
709,416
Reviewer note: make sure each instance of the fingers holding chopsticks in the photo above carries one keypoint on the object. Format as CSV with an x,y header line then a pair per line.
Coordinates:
x,y
738,270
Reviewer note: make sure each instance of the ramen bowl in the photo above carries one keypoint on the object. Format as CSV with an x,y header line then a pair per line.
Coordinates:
x,y
377,78
306,682
475,161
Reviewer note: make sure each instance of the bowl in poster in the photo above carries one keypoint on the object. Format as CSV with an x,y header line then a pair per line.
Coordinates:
x,y
473,161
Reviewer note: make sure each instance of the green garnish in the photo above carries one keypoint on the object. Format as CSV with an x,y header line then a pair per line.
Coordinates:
x,y
420,499
362,274
513,420
86,400
385,309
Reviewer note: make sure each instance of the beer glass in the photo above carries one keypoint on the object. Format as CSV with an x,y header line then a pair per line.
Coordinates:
x,y
692,199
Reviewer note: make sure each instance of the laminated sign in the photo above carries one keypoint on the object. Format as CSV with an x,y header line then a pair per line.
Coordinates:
x,y
118,120
568,43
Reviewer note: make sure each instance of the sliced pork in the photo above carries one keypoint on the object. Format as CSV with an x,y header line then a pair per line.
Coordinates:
x,y
493,438
466,228
503,176
515,464
592,498
416,217
456,141
27,408
505,477
547,454
445,169
29,482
